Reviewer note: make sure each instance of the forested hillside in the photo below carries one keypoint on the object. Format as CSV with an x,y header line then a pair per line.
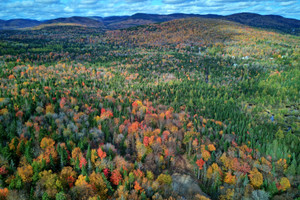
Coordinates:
x,y
186,109
267,22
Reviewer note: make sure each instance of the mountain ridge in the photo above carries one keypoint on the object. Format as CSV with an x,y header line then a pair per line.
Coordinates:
x,y
77,20
271,22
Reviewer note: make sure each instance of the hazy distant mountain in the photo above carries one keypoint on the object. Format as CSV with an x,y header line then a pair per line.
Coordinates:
x,y
170,16
18,23
273,22
86,21
142,19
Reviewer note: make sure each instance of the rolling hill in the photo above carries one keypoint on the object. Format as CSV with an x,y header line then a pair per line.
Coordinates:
x,y
86,21
190,108
143,19
18,23
271,22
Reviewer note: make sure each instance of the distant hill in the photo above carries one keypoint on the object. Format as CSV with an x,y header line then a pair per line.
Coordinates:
x,y
272,22
143,19
189,31
18,23
163,18
86,21
42,26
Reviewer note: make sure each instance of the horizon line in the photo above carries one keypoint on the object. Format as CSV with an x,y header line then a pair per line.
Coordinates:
x,y
87,16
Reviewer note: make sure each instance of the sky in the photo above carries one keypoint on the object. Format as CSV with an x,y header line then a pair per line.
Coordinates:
x,y
50,9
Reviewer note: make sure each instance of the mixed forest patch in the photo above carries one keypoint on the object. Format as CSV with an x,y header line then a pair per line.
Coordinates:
x,y
186,109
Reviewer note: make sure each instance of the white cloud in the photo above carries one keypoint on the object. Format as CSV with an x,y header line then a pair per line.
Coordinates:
x,y
68,9
89,1
288,3
44,9
174,1
47,1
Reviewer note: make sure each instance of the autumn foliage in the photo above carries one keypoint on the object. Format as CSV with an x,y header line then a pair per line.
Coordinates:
x,y
100,114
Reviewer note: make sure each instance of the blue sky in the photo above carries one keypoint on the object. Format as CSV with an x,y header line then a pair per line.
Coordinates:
x,y
49,9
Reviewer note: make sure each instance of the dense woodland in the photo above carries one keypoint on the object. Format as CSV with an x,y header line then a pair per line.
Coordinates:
x,y
186,109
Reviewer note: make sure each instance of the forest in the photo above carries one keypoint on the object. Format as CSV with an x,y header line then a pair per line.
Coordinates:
x,y
186,109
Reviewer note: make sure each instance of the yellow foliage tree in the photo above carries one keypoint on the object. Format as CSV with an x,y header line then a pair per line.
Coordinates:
x,y
226,162
81,181
164,179
76,153
214,168
228,196
205,155
26,173
50,182
47,142
99,185
256,178
230,179
141,149
49,109
211,147
94,156
284,183
67,174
